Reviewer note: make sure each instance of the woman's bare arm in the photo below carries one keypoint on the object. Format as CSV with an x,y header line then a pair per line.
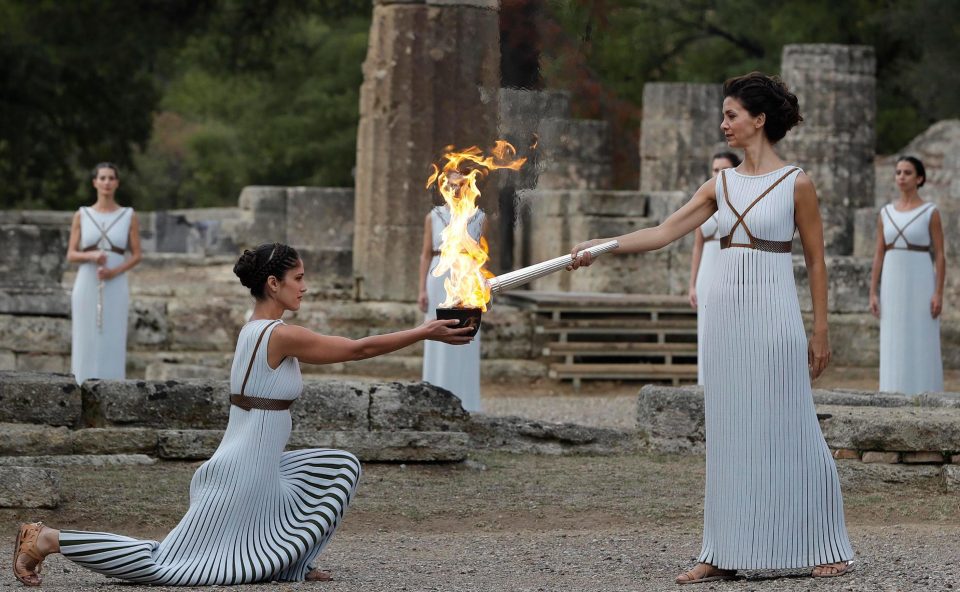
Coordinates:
x,y
810,227
691,215
314,348
879,252
695,266
939,262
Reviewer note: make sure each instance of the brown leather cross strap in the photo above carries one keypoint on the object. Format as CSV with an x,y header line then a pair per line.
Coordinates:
x,y
104,231
755,243
909,247
116,250
247,403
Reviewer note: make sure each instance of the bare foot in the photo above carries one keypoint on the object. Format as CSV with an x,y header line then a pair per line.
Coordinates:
x,y
831,570
704,572
318,575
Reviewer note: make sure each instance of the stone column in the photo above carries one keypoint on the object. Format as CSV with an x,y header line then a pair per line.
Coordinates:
x,y
836,86
431,79
679,133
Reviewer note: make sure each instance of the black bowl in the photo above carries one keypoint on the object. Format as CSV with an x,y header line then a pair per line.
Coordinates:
x,y
467,317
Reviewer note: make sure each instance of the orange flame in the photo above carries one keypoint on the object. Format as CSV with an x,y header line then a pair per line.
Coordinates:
x,y
460,254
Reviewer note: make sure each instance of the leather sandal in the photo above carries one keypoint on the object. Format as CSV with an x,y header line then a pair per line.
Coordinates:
x,y
836,571
710,574
26,544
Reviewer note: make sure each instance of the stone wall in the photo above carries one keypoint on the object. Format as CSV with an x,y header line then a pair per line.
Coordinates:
x,y
859,426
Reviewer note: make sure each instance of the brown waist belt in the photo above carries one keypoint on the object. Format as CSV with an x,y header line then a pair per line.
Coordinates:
x,y
116,250
909,247
758,243
247,403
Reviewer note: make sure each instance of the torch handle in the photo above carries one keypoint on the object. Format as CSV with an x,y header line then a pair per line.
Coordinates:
x,y
525,275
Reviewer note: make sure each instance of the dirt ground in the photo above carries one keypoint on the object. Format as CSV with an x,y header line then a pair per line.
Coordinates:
x,y
520,522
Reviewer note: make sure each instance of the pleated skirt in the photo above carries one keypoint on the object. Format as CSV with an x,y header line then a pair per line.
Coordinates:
x,y
99,351
772,493
708,267
910,360
256,514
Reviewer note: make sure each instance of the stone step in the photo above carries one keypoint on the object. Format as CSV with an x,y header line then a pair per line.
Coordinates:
x,y
29,487
79,460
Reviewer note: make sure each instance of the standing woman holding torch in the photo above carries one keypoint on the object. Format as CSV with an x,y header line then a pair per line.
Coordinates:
x,y
100,237
773,497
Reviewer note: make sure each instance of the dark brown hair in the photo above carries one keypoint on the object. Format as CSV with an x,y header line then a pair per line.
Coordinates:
x,y
917,165
104,165
760,93
269,259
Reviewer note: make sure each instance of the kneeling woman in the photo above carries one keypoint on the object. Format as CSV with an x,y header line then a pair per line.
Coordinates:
x,y
256,513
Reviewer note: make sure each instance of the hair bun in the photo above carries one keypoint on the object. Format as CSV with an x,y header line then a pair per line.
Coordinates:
x,y
246,268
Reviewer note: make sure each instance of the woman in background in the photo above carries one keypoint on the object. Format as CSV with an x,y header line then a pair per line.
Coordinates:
x,y
703,261
456,369
910,286
100,237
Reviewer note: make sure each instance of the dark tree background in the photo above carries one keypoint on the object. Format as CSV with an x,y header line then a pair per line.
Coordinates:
x,y
196,98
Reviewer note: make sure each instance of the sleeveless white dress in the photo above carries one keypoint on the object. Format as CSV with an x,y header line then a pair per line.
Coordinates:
x,y
453,367
910,360
772,493
256,513
708,264
99,349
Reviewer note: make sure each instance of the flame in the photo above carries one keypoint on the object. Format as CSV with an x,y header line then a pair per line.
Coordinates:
x,y
460,254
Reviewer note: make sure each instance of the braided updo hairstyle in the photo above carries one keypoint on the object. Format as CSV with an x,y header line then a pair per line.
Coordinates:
x,y
269,259
760,93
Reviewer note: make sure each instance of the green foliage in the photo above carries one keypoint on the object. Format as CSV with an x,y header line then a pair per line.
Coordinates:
x,y
623,44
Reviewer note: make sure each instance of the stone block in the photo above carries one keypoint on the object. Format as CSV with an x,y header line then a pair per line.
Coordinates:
x,y
147,323
29,487
525,436
49,335
672,419
165,405
21,439
865,476
79,460
39,398
332,405
902,429
865,232
518,105
320,217
328,269
106,441
846,454
920,458
955,459
874,456
204,323
508,333
951,478
267,211
32,299
188,444
163,370
8,360
32,255
576,140
848,284
388,446
36,362
415,406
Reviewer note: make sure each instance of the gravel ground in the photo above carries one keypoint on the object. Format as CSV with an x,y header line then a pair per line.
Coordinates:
x,y
899,558
617,411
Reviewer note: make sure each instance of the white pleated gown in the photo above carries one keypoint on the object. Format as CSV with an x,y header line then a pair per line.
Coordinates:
x,y
772,493
256,513
910,360
100,351
453,367
708,265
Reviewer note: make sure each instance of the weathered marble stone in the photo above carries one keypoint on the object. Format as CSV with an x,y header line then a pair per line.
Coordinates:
x,y
147,323
904,429
836,87
171,404
679,133
320,217
188,444
106,441
671,419
35,362
951,478
415,406
266,208
855,474
332,405
24,438
79,460
37,334
29,487
525,436
39,398
430,79
389,446
32,262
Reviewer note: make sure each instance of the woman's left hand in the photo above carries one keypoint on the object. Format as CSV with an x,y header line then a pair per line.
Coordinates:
x,y
106,273
818,354
936,305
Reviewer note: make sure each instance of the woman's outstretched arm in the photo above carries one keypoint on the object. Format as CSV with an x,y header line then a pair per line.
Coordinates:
x,y
691,215
314,348
879,252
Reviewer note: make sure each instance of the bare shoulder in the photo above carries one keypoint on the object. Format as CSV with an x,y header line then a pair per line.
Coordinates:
x,y
804,183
